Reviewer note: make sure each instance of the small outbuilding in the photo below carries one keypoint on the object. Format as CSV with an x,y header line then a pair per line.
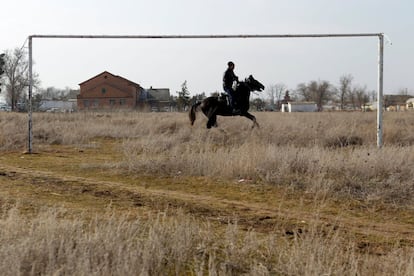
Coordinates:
x,y
410,104
156,99
299,107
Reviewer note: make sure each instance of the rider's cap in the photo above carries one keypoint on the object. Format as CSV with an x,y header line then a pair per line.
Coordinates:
x,y
230,63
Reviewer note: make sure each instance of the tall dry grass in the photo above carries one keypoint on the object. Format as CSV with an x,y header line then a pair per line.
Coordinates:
x,y
110,244
333,153
330,153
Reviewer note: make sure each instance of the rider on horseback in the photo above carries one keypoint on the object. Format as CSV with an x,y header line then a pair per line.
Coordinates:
x,y
228,81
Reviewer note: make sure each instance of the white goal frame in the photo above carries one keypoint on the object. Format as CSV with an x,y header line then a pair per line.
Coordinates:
x,y
380,82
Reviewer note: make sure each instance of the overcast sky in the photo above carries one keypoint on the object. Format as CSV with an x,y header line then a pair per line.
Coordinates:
x,y
168,63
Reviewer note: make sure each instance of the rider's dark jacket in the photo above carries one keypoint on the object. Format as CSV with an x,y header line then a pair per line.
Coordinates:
x,y
228,79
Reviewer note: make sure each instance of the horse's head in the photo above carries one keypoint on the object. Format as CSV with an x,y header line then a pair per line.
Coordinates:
x,y
254,84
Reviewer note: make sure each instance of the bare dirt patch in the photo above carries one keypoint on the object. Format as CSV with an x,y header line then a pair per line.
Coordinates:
x,y
257,207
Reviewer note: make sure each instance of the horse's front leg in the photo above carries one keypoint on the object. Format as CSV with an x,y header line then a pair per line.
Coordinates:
x,y
253,118
255,123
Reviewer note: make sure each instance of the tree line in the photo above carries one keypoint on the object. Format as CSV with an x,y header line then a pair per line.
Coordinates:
x,y
347,95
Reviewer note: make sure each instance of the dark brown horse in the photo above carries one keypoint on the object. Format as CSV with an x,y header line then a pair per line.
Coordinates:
x,y
213,106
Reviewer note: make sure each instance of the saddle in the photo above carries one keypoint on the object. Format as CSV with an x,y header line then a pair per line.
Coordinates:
x,y
224,98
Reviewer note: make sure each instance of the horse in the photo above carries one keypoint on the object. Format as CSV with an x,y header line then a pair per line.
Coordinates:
x,y
215,105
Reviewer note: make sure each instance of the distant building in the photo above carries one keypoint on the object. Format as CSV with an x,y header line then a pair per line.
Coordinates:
x,y
396,102
4,107
108,91
299,107
371,106
58,105
155,99
410,104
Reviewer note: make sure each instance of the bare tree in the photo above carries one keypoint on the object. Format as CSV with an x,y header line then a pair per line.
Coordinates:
x,y
344,89
258,103
317,91
361,96
275,93
403,91
2,63
53,93
16,76
322,91
303,92
373,95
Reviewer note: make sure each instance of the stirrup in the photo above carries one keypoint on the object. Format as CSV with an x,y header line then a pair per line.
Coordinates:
x,y
236,111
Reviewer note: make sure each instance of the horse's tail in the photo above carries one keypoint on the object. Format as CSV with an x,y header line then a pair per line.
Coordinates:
x,y
192,113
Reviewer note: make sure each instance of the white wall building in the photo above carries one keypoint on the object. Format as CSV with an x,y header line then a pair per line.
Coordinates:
x,y
299,107
410,103
57,105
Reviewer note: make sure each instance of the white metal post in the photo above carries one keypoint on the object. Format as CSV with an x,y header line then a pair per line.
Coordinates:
x,y
30,134
380,88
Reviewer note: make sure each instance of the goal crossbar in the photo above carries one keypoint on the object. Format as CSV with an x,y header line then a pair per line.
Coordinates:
x,y
248,36
207,36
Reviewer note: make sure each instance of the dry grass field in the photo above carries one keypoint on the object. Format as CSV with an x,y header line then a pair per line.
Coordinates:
x,y
147,194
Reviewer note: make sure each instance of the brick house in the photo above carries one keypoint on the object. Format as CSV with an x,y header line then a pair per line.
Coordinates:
x,y
107,91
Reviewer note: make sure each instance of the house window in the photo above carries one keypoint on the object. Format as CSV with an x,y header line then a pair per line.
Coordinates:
x,y
122,102
111,102
103,90
95,103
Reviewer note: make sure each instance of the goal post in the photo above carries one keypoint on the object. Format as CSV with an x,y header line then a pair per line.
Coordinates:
x,y
380,87
380,82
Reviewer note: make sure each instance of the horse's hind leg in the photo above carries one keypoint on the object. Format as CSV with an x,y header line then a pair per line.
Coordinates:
x,y
212,121
212,117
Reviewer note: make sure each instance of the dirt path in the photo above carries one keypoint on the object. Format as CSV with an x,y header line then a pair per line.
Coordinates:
x,y
47,186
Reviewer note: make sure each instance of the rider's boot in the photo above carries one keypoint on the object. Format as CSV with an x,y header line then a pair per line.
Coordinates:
x,y
235,110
